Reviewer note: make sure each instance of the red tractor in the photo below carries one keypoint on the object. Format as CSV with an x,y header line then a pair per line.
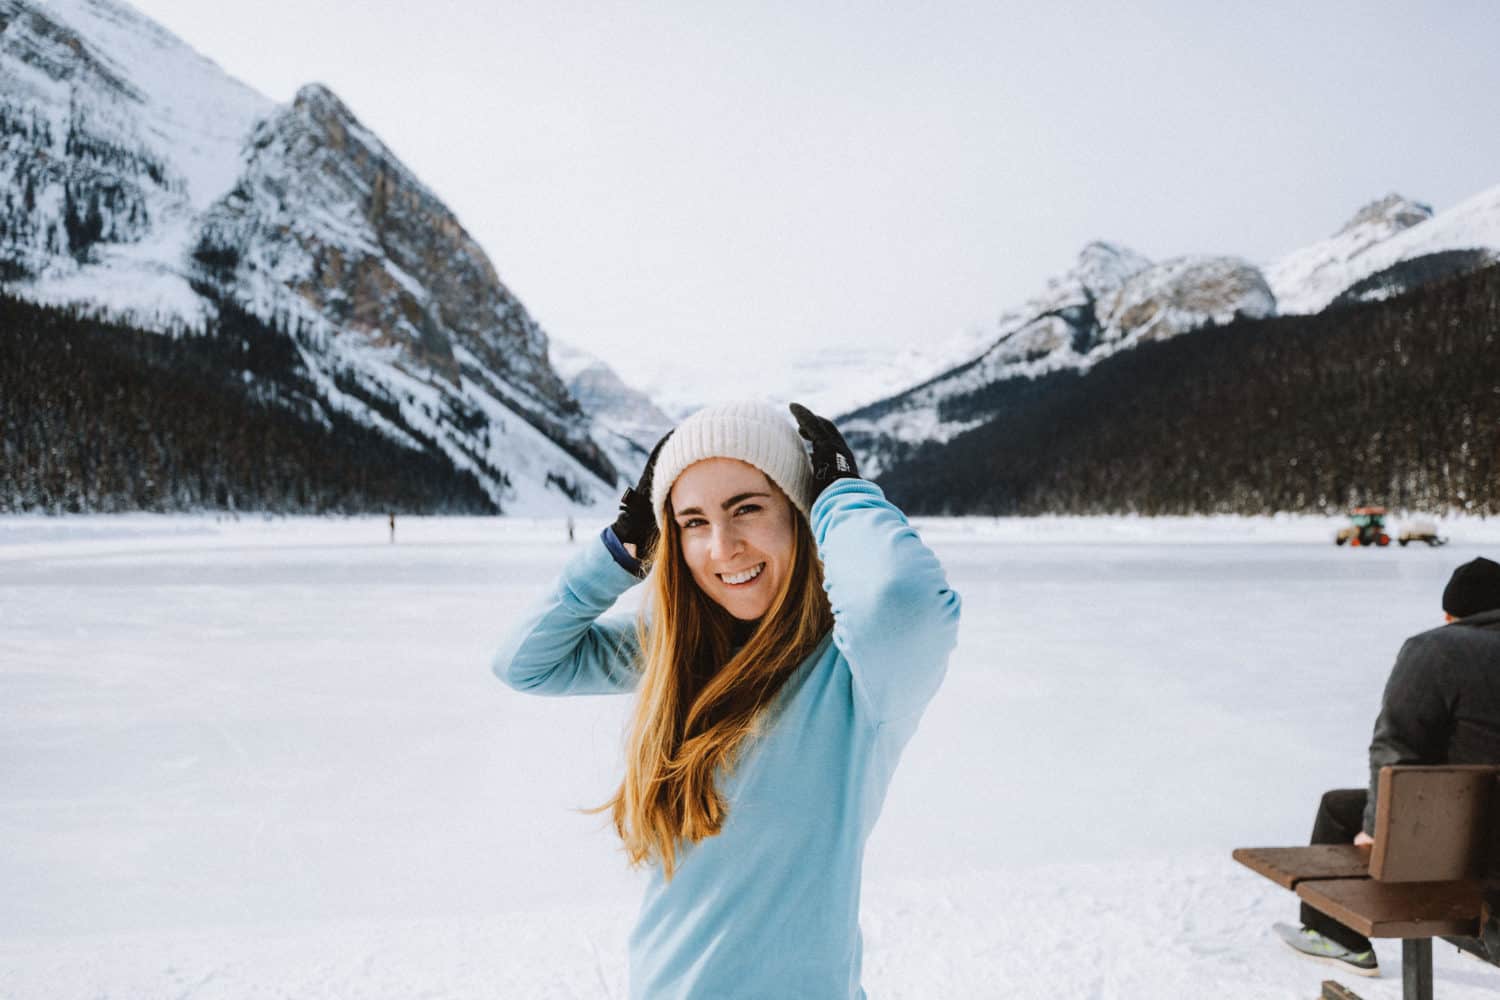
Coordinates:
x,y
1367,527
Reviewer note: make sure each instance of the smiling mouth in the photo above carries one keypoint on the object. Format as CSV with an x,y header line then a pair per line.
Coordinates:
x,y
743,579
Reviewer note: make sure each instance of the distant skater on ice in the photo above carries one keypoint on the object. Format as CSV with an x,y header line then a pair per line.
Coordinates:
x,y
1441,705
794,629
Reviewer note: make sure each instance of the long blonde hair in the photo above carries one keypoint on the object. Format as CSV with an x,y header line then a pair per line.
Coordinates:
x,y
700,699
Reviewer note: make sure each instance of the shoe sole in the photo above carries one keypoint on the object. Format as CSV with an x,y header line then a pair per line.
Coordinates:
x,y
1339,963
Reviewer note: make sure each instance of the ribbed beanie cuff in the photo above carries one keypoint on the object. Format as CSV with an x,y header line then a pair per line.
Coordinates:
x,y
752,432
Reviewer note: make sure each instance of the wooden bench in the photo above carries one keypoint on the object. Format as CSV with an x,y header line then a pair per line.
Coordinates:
x,y
1434,870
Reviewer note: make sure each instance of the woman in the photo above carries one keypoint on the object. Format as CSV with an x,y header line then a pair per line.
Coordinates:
x,y
770,714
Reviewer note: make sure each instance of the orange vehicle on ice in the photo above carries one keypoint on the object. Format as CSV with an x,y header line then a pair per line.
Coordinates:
x,y
1367,527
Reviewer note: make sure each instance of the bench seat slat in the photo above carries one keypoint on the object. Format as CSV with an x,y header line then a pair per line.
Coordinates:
x,y
1290,866
1398,909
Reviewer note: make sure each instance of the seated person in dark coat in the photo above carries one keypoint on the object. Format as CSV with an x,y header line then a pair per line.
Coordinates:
x,y
1441,706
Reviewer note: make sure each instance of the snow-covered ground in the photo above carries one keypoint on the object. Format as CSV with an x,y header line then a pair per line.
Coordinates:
x,y
267,758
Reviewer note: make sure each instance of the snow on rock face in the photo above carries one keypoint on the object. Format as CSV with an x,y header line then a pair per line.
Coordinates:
x,y
1306,280
192,112
326,228
79,172
112,134
1052,326
1182,294
1111,299
1389,246
1387,216
1104,268
1468,232
1114,299
143,181
325,212
1063,317
628,423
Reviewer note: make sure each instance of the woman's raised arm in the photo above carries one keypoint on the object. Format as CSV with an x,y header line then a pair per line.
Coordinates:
x,y
562,646
895,617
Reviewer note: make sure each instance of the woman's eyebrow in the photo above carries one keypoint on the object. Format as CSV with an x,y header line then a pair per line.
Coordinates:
x,y
726,504
737,498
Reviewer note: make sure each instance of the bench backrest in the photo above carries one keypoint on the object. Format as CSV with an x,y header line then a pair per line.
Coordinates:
x,y
1437,824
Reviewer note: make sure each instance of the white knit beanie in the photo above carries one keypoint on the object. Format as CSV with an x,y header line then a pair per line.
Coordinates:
x,y
749,431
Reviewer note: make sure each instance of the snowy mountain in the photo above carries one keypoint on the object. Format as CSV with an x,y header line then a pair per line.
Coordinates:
x,y
1053,329
1386,402
1309,278
115,137
631,422
1389,246
147,184
1114,299
1110,300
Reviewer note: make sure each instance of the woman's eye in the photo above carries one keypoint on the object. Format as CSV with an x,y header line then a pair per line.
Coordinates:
x,y
692,523
752,507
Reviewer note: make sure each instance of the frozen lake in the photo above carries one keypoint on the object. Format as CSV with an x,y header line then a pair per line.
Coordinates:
x,y
268,758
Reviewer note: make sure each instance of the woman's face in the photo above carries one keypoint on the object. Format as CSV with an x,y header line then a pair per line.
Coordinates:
x,y
736,531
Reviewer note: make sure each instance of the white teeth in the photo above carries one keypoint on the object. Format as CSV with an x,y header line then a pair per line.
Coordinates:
x,y
746,576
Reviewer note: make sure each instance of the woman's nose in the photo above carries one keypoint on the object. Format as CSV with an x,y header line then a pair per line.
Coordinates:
x,y
724,543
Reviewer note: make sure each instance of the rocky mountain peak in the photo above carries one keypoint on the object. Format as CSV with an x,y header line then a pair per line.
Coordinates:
x,y
147,184
1112,299
1181,294
331,118
318,99
1103,267
327,227
1310,277
1392,213
341,222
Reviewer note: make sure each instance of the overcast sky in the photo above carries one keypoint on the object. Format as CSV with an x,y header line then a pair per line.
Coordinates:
x,y
684,188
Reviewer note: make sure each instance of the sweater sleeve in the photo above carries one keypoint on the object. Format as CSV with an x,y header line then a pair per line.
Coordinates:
x,y
1416,717
562,645
895,617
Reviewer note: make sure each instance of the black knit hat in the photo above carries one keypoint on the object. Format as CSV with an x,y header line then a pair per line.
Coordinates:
x,y
1474,587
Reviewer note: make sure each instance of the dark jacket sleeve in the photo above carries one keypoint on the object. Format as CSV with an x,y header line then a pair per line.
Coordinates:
x,y
1416,714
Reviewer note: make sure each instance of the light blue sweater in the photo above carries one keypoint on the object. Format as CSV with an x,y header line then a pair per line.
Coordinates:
x,y
769,908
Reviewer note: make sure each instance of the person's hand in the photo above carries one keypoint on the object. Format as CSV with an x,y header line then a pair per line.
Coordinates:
x,y
635,527
1362,839
832,458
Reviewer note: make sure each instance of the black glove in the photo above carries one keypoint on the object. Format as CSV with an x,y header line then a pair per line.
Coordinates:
x,y
637,521
831,456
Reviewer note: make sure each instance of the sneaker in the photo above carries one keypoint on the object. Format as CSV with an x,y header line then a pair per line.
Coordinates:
x,y
1309,942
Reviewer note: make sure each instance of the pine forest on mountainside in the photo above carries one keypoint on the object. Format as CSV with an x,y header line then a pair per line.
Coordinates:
x,y
102,417
1395,403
